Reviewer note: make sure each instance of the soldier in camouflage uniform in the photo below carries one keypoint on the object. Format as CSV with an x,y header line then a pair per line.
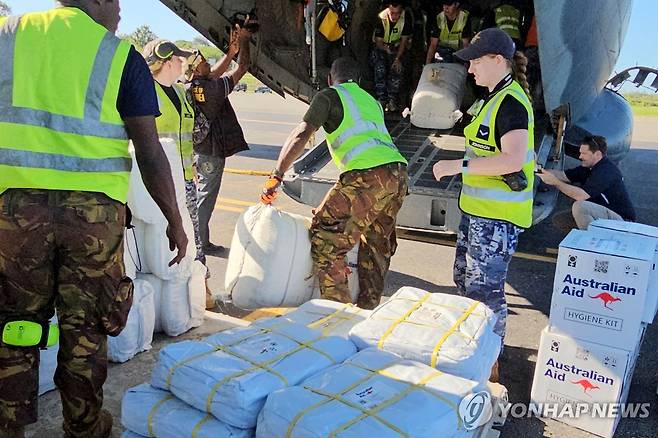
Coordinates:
x,y
389,57
363,205
62,214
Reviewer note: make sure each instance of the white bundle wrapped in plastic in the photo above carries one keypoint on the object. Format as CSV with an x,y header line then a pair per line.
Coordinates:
x,y
183,302
158,255
134,246
451,333
143,207
438,96
156,283
330,317
231,373
141,203
270,260
372,394
47,366
153,412
138,333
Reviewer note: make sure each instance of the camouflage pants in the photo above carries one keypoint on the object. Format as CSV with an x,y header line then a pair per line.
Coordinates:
x,y
387,82
193,209
484,250
362,206
63,250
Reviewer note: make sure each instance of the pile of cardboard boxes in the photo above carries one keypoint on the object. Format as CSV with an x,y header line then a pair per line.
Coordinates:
x,y
604,294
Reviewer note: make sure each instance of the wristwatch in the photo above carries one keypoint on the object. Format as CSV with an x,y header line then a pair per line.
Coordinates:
x,y
276,172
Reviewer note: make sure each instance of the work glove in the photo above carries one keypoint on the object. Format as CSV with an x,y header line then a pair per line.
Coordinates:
x,y
270,189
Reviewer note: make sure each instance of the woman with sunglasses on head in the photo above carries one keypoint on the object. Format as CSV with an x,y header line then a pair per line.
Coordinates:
x,y
176,121
497,173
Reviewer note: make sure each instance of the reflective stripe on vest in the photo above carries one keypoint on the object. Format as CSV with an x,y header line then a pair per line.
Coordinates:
x,y
451,37
177,126
392,36
489,196
61,130
508,19
362,140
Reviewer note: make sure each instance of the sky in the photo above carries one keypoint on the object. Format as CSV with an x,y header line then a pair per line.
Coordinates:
x,y
639,44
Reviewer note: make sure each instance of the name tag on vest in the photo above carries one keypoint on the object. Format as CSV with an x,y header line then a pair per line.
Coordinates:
x,y
484,147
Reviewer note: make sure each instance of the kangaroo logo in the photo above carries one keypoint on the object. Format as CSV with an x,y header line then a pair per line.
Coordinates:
x,y
606,298
586,384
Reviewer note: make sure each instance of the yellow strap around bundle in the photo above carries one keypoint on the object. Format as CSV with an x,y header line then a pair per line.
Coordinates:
x,y
153,410
446,335
401,319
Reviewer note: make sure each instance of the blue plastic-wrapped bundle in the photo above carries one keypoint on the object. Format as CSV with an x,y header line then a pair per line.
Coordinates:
x,y
373,394
148,411
231,373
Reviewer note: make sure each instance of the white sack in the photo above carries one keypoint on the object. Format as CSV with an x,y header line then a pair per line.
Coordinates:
x,y
141,203
231,373
144,405
138,333
175,307
270,260
158,255
451,333
330,317
438,96
156,283
379,382
196,293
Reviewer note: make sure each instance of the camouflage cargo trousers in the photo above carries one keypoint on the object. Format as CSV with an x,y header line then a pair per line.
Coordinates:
x,y
191,198
387,81
484,250
63,250
361,207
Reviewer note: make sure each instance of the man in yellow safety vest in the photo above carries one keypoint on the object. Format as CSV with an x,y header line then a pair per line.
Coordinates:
x,y
72,94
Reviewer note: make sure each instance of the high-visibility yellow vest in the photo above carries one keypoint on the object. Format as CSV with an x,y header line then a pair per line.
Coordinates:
x,y
177,127
451,38
392,35
59,125
361,141
508,18
489,196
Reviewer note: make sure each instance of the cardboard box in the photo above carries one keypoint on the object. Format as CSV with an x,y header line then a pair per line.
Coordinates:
x,y
646,231
589,377
600,287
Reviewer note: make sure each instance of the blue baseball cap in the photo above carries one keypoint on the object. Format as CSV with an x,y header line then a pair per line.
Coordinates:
x,y
492,41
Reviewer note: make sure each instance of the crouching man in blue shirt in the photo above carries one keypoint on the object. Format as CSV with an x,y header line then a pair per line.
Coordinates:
x,y
601,193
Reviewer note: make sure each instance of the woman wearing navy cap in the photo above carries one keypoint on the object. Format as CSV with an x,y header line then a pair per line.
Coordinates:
x,y
497,173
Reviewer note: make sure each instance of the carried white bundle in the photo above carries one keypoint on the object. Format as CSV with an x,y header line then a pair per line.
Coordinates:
x,y
139,200
134,257
156,283
372,394
183,302
138,333
330,317
158,255
148,411
231,373
48,365
270,260
143,207
451,333
438,96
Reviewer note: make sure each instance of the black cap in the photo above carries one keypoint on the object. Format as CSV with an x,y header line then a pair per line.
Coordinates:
x,y
162,50
449,2
492,41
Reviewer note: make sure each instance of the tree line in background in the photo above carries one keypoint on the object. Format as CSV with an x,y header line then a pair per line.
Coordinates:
x,y
143,34
5,10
